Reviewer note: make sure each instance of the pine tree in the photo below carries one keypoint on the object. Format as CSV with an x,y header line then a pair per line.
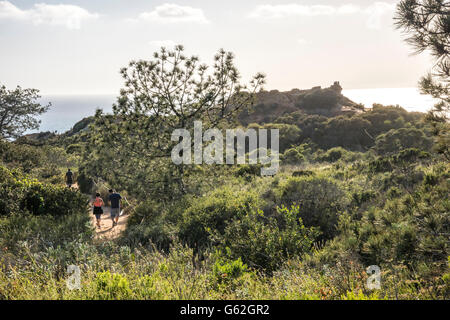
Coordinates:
x,y
427,25
133,146
18,111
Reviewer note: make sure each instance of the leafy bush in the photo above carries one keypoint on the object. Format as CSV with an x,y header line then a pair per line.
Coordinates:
x,y
20,156
404,230
380,164
8,201
37,198
44,231
75,148
384,118
265,242
332,155
40,199
85,183
112,286
227,271
211,214
349,133
293,156
303,173
410,155
397,140
149,224
351,295
363,196
289,135
320,200
248,170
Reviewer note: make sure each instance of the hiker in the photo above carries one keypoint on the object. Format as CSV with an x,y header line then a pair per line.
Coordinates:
x,y
114,199
98,210
69,178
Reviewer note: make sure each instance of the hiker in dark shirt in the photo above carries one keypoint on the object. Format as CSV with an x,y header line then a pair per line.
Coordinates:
x,y
114,199
69,178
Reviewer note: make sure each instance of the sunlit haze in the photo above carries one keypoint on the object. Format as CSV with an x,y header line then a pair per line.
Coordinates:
x,y
78,47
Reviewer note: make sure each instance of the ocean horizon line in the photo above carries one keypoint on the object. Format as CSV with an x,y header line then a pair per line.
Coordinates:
x,y
266,89
68,109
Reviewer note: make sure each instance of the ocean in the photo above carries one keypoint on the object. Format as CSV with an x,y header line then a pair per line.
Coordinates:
x,y
66,110
408,98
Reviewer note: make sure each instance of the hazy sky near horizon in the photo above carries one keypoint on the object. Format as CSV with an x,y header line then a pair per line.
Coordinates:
x,y
78,46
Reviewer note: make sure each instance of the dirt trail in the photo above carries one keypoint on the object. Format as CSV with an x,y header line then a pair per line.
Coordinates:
x,y
106,231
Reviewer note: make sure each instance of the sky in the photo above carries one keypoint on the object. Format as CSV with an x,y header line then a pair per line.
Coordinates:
x,y
78,47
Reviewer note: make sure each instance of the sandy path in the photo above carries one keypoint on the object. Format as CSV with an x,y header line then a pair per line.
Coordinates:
x,y
106,230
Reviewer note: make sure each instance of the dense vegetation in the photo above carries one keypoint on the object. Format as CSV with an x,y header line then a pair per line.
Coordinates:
x,y
376,197
356,188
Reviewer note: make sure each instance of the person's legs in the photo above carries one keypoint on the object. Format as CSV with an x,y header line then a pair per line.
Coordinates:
x,y
115,215
98,217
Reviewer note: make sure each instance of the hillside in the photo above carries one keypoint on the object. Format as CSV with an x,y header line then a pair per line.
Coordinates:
x,y
268,107
354,189
272,104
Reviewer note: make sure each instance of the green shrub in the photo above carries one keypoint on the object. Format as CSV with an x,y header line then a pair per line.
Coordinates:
x,y
21,156
380,165
40,199
112,286
332,155
211,214
36,197
363,196
293,156
44,231
393,192
248,169
265,242
75,148
410,155
85,183
227,271
303,173
346,132
289,135
351,295
395,141
405,228
149,224
430,179
320,200
8,195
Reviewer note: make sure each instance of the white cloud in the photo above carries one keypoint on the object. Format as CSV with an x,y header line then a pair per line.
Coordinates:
x,y
173,13
8,10
69,16
348,9
373,13
302,41
269,11
376,12
163,43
